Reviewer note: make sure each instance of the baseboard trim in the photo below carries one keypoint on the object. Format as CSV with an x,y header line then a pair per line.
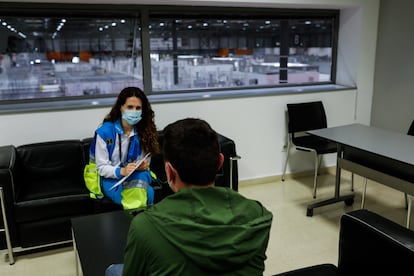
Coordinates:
x,y
21,251
276,178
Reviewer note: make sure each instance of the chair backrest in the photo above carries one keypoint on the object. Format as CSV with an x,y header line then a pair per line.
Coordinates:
x,y
306,116
370,244
411,129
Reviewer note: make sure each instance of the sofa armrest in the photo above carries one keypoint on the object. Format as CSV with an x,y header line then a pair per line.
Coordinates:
x,y
7,162
228,175
370,243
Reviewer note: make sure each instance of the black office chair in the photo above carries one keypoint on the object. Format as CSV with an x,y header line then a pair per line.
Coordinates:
x,y
411,129
408,200
301,118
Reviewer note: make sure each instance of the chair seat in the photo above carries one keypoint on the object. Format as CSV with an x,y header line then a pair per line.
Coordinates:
x,y
322,146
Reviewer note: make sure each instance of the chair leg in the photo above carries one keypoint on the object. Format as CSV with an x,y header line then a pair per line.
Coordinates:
x,y
319,162
409,199
286,161
406,200
352,182
315,178
363,192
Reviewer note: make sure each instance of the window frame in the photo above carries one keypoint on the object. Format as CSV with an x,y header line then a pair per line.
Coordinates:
x,y
144,12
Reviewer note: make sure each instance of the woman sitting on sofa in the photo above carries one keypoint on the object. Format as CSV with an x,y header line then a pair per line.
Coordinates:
x,y
126,136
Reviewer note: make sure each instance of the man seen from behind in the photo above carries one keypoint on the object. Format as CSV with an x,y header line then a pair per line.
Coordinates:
x,y
200,229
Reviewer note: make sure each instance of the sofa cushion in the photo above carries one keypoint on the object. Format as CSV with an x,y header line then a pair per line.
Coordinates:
x,y
43,232
62,206
105,204
50,169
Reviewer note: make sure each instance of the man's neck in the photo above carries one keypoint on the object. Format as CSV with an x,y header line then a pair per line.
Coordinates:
x,y
184,185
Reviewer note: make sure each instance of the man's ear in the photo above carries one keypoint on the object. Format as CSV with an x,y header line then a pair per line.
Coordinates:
x,y
171,174
168,170
221,160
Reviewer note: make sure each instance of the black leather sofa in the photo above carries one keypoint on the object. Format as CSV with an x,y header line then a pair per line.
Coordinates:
x,y
369,244
43,189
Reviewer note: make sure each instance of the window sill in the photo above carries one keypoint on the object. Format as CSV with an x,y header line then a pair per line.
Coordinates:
x,y
51,105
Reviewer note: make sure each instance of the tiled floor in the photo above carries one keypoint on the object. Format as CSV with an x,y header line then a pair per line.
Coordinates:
x,y
295,241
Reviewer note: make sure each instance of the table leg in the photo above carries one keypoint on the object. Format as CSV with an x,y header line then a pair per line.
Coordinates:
x,y
339,155
77,261
348,199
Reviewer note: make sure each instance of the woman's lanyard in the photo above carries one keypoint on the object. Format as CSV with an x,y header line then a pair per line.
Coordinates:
x,y
120,150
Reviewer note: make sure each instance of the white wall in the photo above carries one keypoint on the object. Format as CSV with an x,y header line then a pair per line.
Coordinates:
x,y
256,124
392,107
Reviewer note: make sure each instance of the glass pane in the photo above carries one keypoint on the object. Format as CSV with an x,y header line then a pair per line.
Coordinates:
x,y
196,53
310,51
68,57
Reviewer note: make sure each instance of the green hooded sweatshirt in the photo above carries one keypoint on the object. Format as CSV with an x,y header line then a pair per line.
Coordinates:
x,y
199,231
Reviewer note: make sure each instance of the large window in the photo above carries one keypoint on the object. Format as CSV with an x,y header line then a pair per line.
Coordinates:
x,y
190,53
67,55
70,52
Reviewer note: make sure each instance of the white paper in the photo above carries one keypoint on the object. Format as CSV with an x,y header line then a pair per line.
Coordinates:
x,y
125,177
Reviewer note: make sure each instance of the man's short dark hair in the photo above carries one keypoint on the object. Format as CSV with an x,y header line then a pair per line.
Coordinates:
x,y
192,147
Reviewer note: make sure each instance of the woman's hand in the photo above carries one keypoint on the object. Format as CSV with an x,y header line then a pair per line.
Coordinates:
x,y
143,166
131,167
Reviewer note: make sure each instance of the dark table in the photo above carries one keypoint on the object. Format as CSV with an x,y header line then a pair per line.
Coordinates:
x,y
377,154
99,240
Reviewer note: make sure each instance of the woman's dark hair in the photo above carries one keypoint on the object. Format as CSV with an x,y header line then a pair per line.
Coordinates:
x,y
147,131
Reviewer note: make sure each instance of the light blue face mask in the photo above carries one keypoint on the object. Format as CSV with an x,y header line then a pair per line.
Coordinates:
x,y
132,117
